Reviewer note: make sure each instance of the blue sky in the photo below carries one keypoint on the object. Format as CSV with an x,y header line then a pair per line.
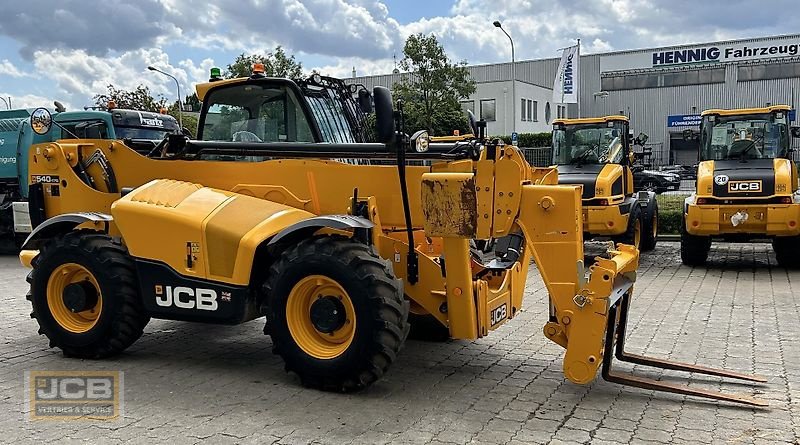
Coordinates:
x,y
69,50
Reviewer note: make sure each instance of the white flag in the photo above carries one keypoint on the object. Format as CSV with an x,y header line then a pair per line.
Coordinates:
x,y
565,87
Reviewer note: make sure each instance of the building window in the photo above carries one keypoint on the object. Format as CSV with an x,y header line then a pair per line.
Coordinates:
x,y
769,71
535,111
662,79
468,105
488,110
523,115
530,108
547,113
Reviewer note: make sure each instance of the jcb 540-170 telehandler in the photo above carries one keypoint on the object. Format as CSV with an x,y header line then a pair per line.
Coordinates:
x,y
596,153
256,218
746,184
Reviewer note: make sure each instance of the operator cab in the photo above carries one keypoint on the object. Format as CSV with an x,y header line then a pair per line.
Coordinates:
x,y
742,135
589,143
595,153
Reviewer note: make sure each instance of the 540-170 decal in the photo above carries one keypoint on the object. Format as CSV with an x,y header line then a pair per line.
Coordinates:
x,y
45,179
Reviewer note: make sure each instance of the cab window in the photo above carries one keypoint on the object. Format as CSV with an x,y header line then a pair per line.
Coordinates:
x,y
255,113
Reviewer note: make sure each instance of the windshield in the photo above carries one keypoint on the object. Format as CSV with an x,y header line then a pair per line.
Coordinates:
x,y
255,113
588,143
755,136
140,133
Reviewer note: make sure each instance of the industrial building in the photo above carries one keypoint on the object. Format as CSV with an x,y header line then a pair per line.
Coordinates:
x,y
662,90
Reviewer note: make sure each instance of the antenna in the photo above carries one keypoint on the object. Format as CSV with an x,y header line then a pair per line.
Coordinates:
x,y
395,70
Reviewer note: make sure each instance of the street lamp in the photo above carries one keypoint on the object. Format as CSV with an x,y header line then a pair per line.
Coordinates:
x,y
497,24
602,95
180,102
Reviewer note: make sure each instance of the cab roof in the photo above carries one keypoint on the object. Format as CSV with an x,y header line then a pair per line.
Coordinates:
x,y
591,120
743,111
202,88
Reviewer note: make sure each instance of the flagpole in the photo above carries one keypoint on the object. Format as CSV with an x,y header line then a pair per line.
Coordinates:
x,y
578,87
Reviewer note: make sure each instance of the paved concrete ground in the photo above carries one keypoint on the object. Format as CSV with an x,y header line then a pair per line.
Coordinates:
x,y
185,383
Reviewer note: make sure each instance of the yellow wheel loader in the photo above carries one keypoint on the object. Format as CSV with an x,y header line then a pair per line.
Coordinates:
x,y
746,184
596,153
258,218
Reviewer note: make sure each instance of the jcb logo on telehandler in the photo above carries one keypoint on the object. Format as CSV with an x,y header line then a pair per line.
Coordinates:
x,y
186,298
744,186
498,314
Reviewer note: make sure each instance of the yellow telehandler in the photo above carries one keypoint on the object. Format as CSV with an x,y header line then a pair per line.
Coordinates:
x,y
258,218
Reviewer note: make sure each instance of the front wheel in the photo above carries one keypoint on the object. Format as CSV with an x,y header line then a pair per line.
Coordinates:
x,y
633,234
787,251
650,225
336,313
85,295
694,248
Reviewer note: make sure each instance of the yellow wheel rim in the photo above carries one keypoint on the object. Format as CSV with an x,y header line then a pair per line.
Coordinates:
x,y
320,317
63,276
637,233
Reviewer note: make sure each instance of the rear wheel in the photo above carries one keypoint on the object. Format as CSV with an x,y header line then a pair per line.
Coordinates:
x,y
336,313
694,249
650,226
633,235
85,295
787,251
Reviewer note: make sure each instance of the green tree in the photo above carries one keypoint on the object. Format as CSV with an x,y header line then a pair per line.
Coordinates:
x,y
432,87
276,64
191,103
189,119
138,99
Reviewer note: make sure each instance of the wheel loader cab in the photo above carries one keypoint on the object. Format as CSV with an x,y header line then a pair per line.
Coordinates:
x,y
746,184
596,153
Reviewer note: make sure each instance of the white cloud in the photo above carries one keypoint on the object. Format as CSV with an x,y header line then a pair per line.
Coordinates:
x,y
343,68
113,41
7,68
27,101
81,76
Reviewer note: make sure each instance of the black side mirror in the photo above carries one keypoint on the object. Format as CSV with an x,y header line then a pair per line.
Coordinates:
x,y
364,101
384,115
641,139
688,135
796,132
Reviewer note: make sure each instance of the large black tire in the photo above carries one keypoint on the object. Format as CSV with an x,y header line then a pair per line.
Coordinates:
x,y
122,317
379,309
650,226
427,328
633,233
787,251
694,249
